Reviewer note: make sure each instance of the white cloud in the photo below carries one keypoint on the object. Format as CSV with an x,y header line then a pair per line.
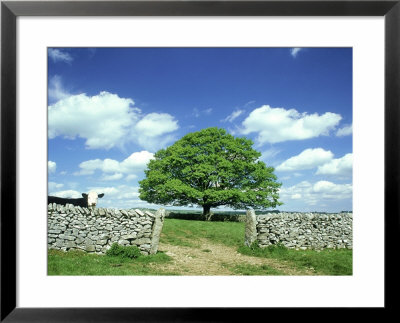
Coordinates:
x,y
88,167
103,120
130,166
56,90
106,121
317,193
340,166
108,191
67,194
307,159
136,161
58,55
235,114
113,177
156,124
345,131
152,132
54,186
278,124
331,190
51,167
294,51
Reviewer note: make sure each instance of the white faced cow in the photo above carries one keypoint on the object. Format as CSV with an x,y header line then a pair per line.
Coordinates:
x,y
87,200
91,198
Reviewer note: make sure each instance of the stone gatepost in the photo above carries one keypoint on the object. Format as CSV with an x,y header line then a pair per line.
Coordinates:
x,y
251,228
156,232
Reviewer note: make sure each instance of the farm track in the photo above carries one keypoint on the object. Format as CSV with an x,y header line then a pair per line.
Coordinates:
x,y
208,258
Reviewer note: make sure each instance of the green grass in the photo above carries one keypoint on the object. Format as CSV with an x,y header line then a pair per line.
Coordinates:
x,y
82,263
188,232
324,262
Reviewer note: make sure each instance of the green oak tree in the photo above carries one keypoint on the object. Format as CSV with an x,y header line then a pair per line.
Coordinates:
x,y
210,168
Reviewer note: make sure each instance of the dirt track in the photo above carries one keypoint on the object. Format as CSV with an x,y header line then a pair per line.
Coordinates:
x,y
216,259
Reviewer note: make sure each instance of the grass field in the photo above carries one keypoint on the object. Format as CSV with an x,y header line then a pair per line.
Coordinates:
x,y
189,247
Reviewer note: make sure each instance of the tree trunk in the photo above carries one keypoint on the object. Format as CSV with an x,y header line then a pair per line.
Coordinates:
x,y
206,212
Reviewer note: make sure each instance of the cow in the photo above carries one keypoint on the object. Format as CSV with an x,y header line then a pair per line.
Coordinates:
x,y
87,200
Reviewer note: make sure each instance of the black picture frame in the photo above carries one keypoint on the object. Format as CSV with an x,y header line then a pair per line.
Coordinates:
x,y
10,10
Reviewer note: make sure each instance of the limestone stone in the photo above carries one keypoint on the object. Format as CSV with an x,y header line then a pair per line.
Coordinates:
x,y
150,214
129,236
70,244
139,212
90,248
250,228
79,240
123,242
141,241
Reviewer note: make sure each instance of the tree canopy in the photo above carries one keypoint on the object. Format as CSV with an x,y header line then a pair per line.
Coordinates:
x,y
210,168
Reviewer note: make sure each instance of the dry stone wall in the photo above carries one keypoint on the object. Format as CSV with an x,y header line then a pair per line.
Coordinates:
x,y
300,230
95,230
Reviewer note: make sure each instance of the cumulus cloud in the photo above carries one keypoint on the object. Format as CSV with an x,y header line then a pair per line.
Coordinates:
x,y
278,124
307,159
136,161
340,166
294,51
130,166
107,120
67,194
51,167
345,131
153,131
58,55
322,160
156,124
235,114
103,120
317,193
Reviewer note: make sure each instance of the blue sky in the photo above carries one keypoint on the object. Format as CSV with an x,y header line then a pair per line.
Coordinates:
x,y
111,109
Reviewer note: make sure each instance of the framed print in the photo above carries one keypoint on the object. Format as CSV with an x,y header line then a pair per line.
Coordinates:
x,y
124,121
